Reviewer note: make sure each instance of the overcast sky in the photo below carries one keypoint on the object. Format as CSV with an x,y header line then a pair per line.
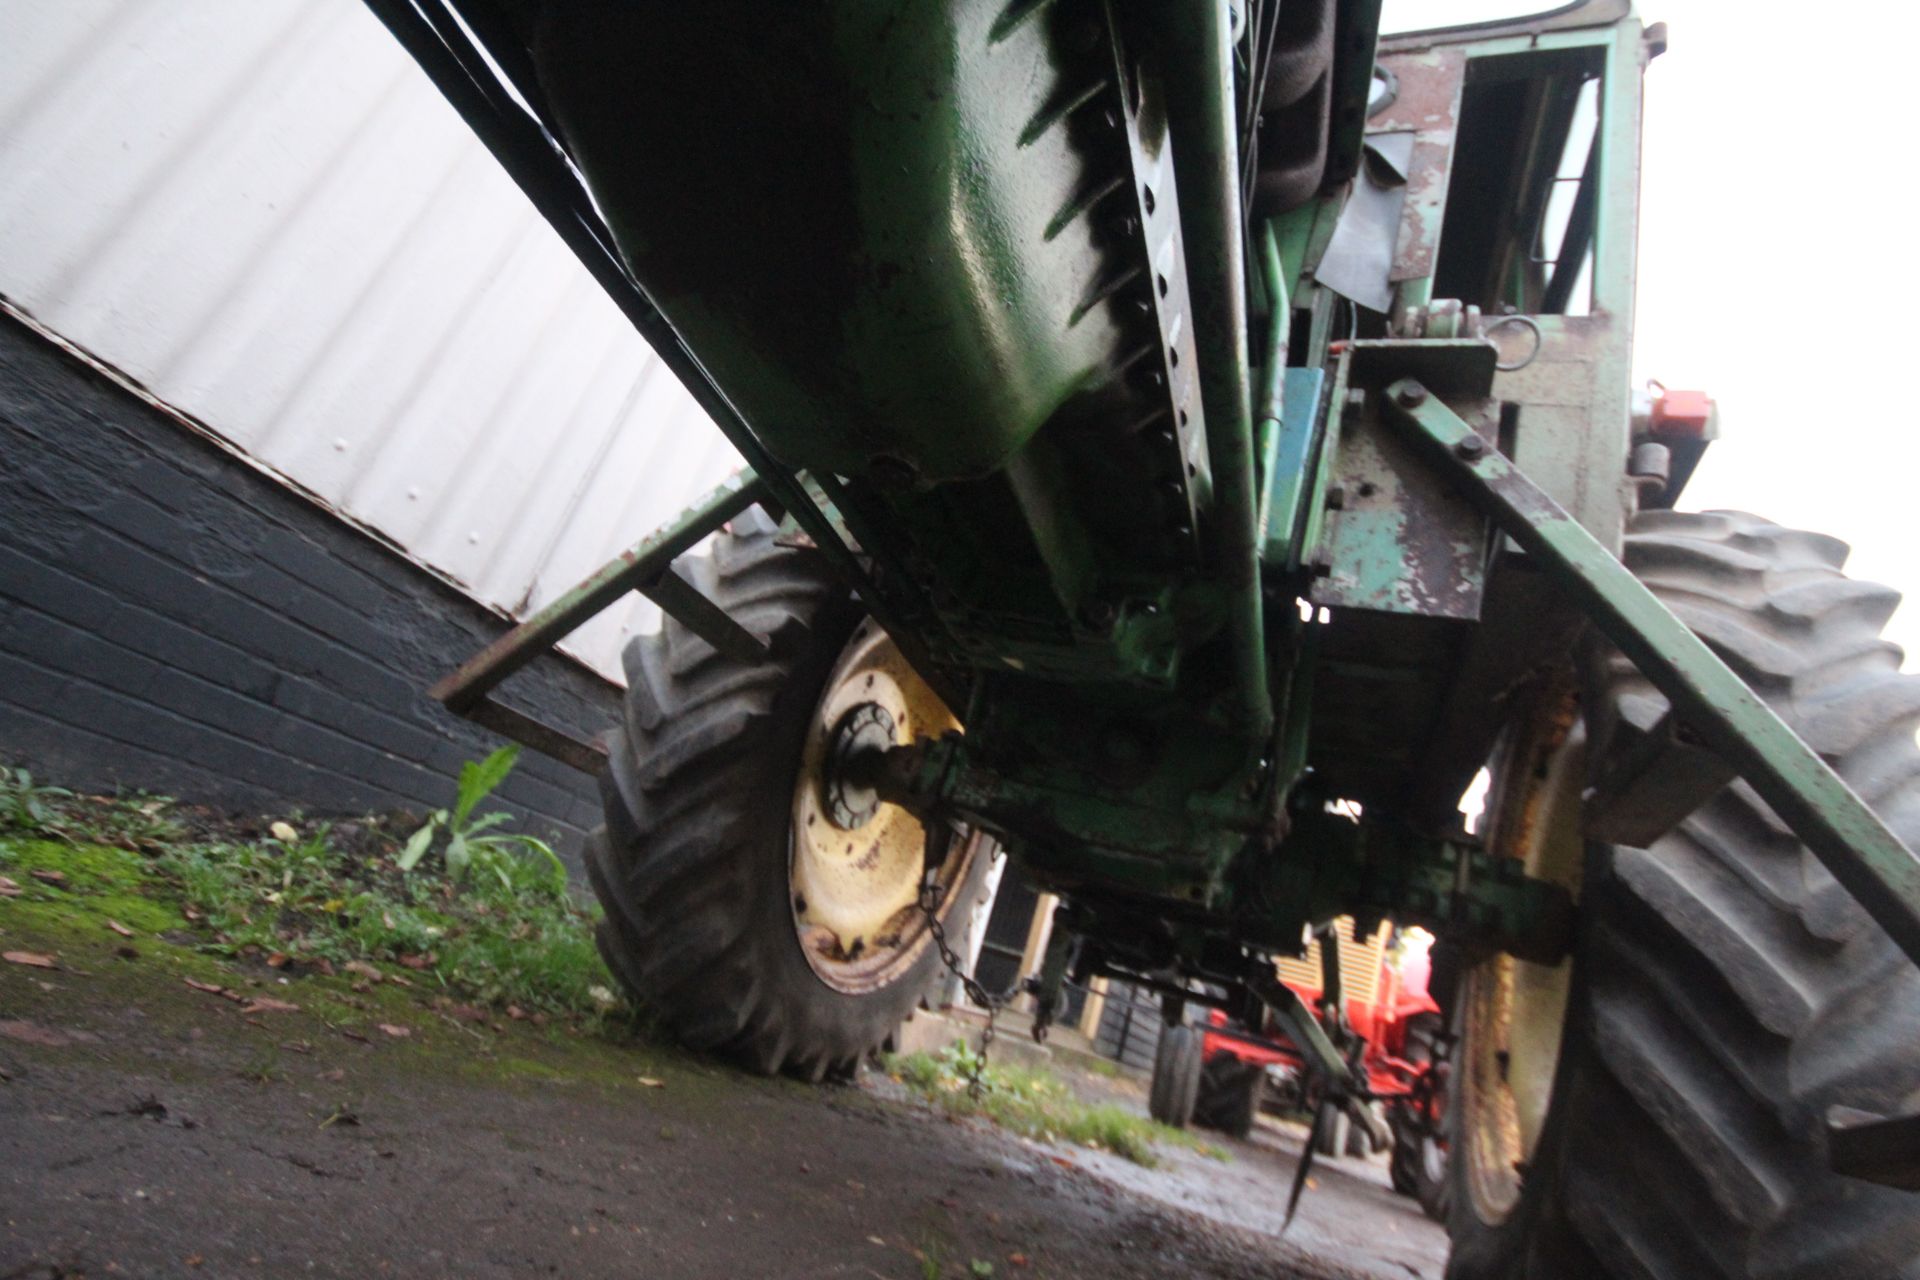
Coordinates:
x,y
1773,206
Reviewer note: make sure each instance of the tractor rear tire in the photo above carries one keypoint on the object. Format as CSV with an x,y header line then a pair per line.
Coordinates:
x,y
1724,991
1418,1170
1176,1076
694,863
1230,1092
1419,1162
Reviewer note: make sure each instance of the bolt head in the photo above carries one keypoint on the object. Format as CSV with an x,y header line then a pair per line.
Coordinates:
x,y
1411,396
1470,448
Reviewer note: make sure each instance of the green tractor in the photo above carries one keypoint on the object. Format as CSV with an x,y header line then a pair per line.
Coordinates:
x,y
1187,442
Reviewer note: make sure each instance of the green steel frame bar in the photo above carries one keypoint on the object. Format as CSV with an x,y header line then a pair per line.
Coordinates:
x,y
641,567
1206,149
1303,1028
1715,704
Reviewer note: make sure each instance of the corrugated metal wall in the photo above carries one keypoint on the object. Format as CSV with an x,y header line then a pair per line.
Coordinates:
x,y
261,211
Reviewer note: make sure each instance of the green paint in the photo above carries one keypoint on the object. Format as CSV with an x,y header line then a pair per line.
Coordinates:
x,y
1836,825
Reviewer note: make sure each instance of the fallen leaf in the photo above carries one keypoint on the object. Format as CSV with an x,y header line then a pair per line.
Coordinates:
x,y
1017,1259
119,928
191,913
296,1046
364,969
397,1032
323,966
9,888
33,1033
1064,1163
193,1259
58,879
651,1083
278,960
225,993
283,831
334,1076
266,1004
32,959
515,1012
399,981
412,961
877,1240
467,1012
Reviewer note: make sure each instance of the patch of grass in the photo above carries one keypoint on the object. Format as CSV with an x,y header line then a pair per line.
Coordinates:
x,y
263,1068
522,941
1037,1104
497,928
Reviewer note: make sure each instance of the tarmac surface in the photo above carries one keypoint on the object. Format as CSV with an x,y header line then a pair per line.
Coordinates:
x,y
149,1127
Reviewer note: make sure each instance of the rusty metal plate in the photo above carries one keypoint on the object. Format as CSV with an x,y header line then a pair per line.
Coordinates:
x,y
1401,540
1428,104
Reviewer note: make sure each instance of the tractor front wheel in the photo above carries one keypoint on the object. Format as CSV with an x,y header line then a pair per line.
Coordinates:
x,y
1176,1075
1230,1093
1655,1105
754,906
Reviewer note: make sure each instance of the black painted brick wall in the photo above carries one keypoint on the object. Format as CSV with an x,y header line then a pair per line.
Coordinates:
x,y
174,621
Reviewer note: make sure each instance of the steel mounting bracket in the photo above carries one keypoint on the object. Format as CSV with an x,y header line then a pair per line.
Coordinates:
x,y
1713,703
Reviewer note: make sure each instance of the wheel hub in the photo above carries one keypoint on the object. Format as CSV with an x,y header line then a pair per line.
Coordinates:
x,y
857,861
865,730
1514,1010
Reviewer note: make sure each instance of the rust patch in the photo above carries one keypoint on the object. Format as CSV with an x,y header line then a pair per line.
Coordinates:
x,y
1429,105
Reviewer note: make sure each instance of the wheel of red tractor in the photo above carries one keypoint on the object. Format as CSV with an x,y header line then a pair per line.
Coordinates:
x,y
758,907
1330,1139
1418,1167
1406,1157
1655,1105
1176,1076
1229,1097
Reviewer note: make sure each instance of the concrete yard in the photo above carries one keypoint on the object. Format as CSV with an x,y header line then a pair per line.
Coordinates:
x,y
149,1127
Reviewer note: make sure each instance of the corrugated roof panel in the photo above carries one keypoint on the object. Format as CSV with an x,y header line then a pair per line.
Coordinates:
x,y
267,216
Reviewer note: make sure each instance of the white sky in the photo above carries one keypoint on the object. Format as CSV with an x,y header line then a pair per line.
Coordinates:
x,y
1773,207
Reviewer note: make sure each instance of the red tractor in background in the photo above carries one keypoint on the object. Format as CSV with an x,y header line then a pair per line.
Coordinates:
x,y
1221,1073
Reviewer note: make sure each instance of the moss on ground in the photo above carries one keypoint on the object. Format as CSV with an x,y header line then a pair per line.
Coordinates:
x,y
1036,1104
305,897
489,980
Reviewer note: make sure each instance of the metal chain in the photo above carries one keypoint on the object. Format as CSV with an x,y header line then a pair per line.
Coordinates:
x,y
930,907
